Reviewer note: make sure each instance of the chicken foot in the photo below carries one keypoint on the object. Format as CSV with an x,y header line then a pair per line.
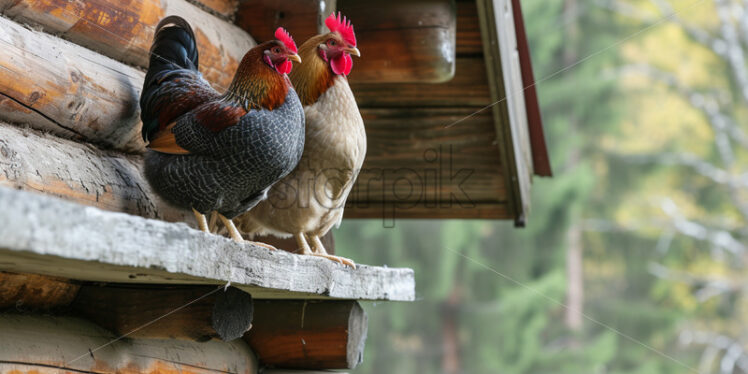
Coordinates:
x,y
318,249
234,233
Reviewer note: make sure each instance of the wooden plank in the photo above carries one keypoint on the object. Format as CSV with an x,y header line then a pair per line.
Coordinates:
x,y
46,344
468,88
502,65
108,180
32,291
38,236
403,41
416,160
468,29
124,30
390,211
309,334
57,86
122,309
302,18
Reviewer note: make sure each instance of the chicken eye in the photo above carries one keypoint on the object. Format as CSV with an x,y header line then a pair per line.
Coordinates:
x,y
331,42
276,50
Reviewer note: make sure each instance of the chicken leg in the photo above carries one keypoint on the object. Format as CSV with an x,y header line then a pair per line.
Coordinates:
x,y
318,249
202,224
234,233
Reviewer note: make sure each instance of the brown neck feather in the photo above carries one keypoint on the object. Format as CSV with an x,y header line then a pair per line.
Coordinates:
x,y
314,76
256,85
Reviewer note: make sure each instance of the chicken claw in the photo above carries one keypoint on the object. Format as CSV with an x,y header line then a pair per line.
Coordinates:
x,y
237,236
319,250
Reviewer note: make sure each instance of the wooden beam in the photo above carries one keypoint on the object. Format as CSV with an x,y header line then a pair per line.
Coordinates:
x,y
308,334
57,86
32,291
468,88
44,344
39,236
108,180
302,18
208,312
124,31
403,41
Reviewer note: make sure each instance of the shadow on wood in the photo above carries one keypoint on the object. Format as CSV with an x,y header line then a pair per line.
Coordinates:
x,y
192,313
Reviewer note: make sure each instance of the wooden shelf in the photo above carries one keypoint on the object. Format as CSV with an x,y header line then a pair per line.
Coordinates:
x,y
49,236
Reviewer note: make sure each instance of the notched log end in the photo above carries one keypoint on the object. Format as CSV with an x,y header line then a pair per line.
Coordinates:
x,y
232,313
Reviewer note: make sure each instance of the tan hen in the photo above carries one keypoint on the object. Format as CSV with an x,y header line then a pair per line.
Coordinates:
x,y
308,202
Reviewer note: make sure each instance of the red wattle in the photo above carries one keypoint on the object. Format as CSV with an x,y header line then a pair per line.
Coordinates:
x,y
342,64
284,67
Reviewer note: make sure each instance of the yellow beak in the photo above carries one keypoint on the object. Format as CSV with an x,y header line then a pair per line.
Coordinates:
x,y
294,57
353,50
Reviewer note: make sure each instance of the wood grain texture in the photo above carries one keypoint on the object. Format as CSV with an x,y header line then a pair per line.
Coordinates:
x,y
108,180
469,41
468,88
224,315
45,344
403,41
57,86
32,291
38,236
223,8
417,161
302,18
123,30
309,334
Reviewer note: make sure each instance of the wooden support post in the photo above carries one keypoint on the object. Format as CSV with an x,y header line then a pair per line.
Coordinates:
x,y
308,334
31,291
193,313
403,41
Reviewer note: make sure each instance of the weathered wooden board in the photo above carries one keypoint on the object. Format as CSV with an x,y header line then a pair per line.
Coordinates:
x,y
124,30
46,344
39,236
302,18
403,41
108,180
510,116
308,334
206,312
468,88
32,291
416,161
57,86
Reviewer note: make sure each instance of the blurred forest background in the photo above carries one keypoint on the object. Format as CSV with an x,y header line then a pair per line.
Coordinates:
x,y
642,229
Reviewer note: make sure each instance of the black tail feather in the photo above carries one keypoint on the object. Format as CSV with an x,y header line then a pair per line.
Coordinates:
x,y
174,48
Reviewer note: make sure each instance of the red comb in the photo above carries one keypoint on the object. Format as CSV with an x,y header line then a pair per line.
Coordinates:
x,y
343,26
283,35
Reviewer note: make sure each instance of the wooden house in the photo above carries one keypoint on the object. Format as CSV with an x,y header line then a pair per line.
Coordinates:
x,y
98,274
